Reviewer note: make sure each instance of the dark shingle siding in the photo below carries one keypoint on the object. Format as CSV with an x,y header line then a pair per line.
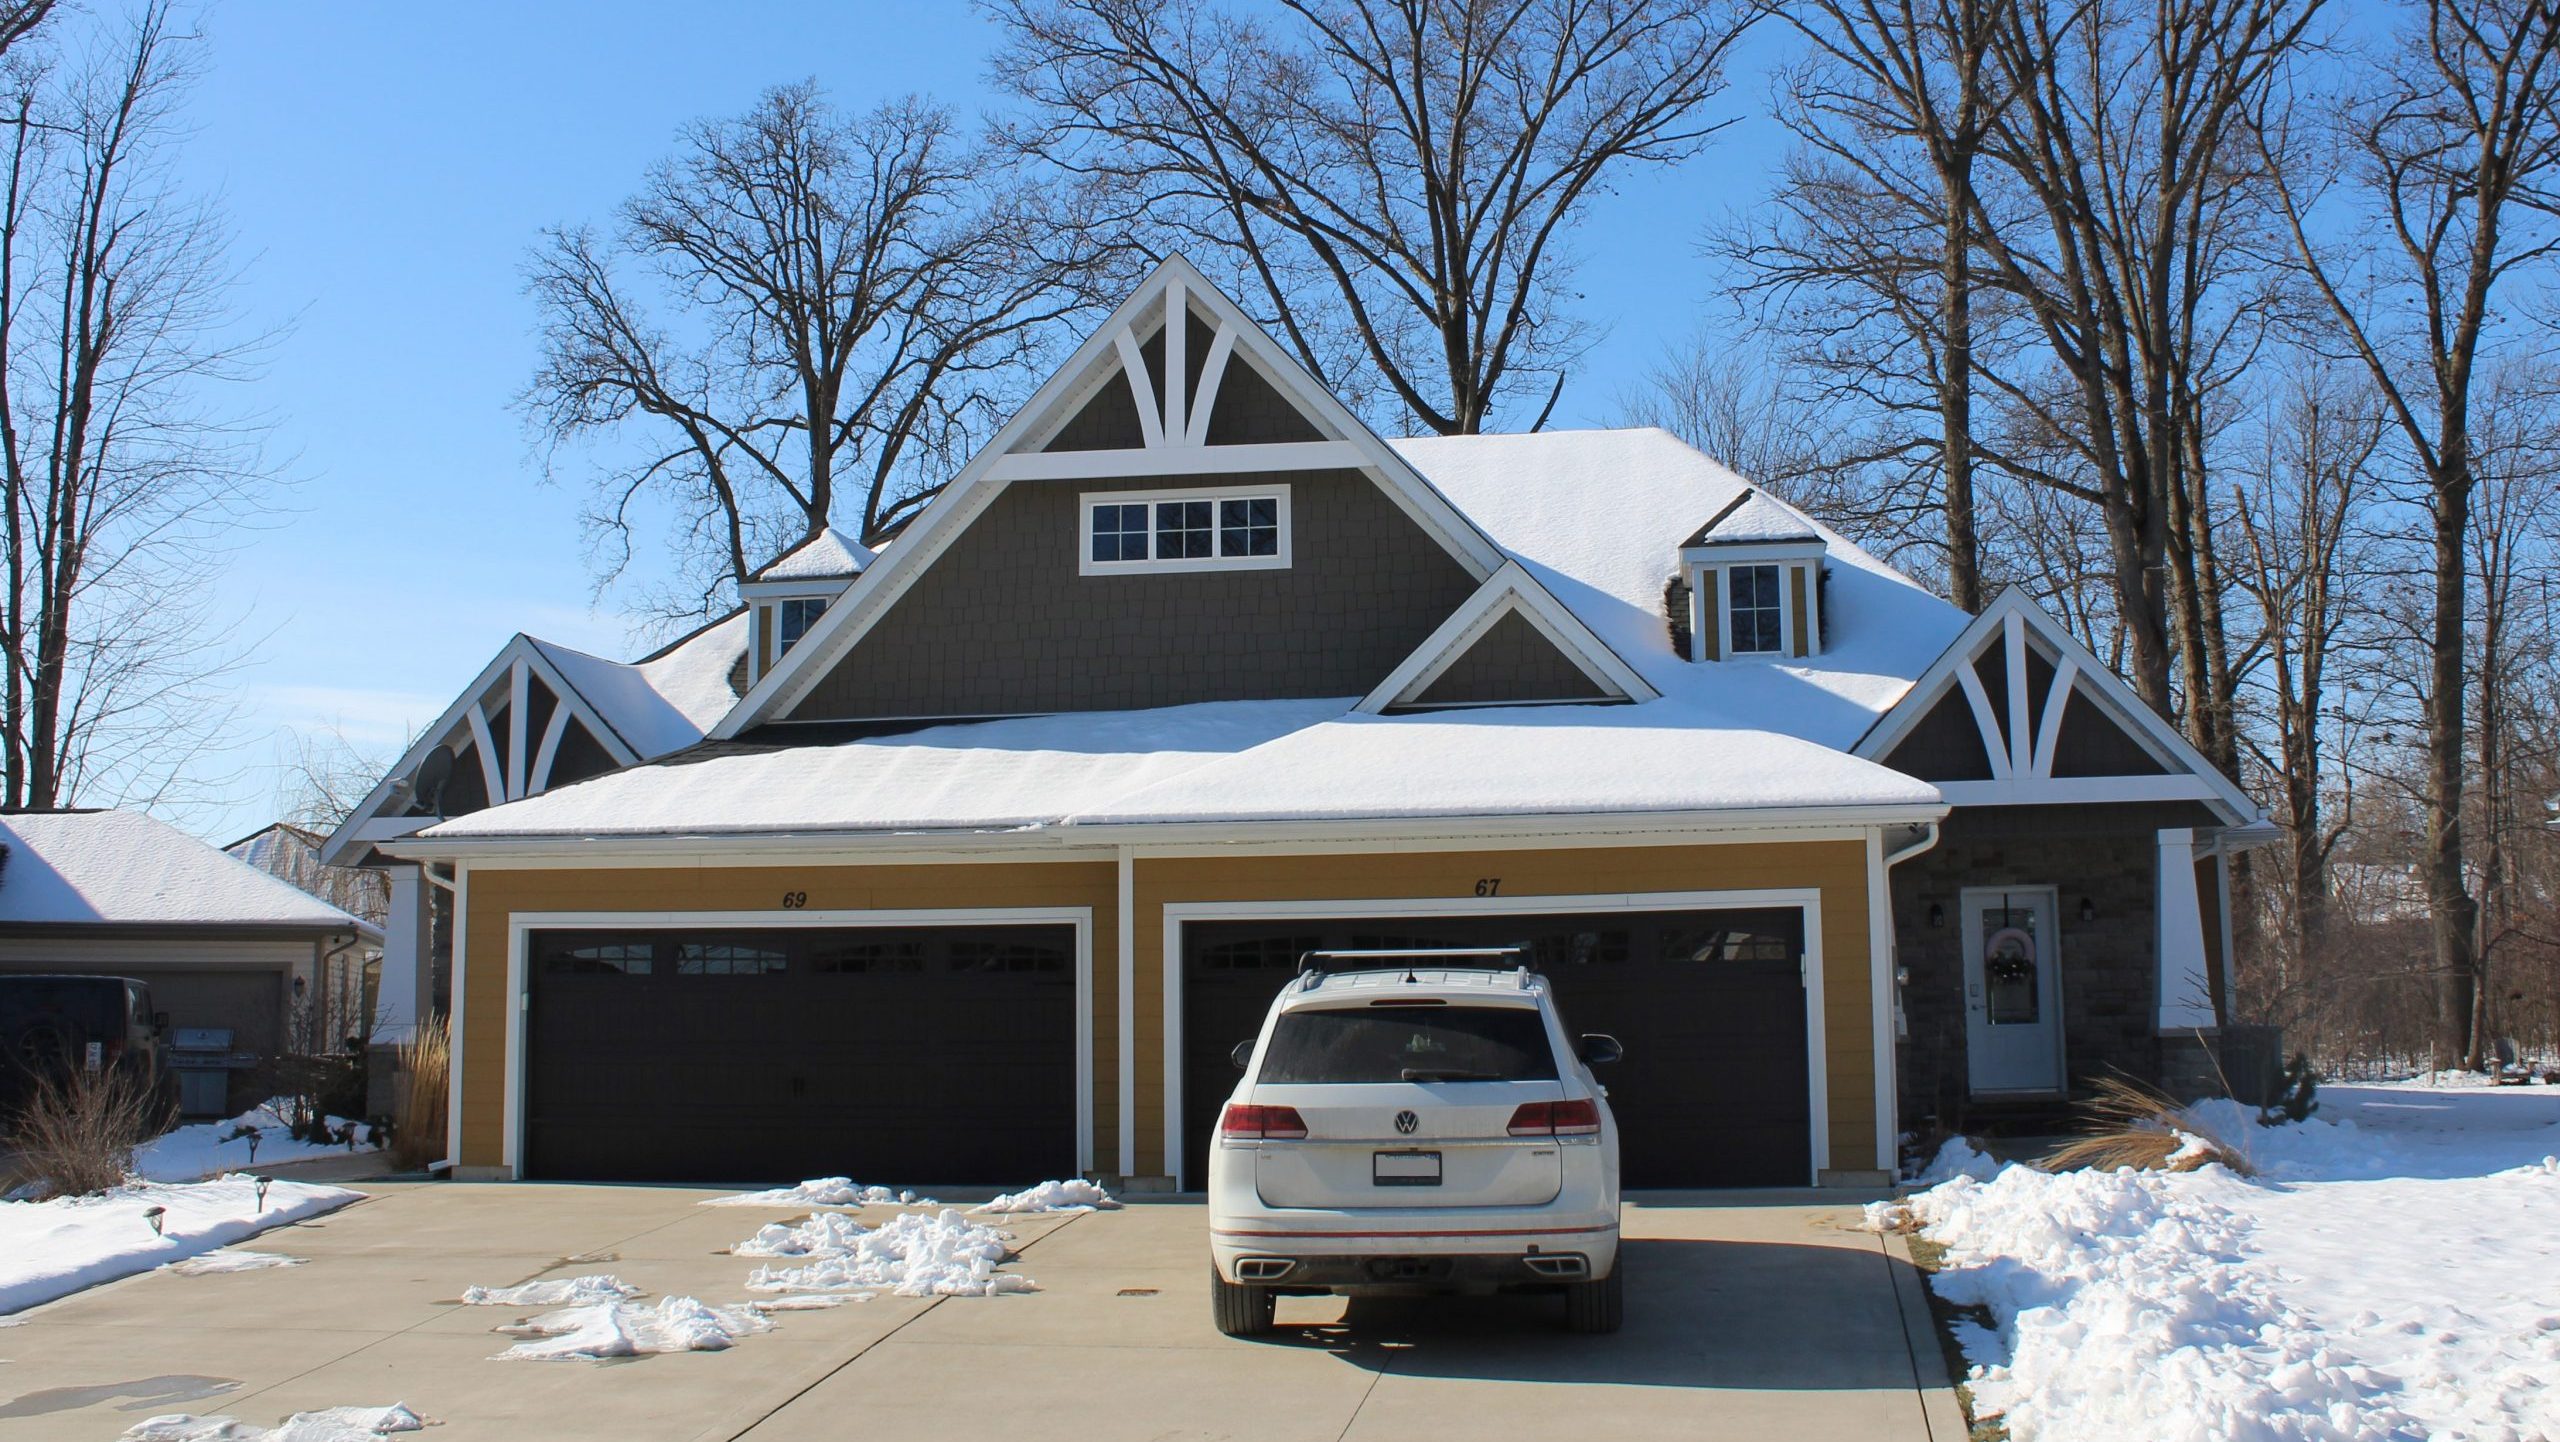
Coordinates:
x,y
1002,623
1511,661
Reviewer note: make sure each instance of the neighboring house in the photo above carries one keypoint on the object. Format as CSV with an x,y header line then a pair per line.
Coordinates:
x,y
223,944
1019,824
291,854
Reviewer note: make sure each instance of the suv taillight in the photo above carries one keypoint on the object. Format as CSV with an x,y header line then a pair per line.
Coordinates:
x,y
1556,1119
1243,1119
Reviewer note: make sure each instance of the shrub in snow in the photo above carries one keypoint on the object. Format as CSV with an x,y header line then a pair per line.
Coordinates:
x,y
912,1255
330,1424
77,1131
823,1192
1066,1196
551,1292
2295,1093
2134,1126
630,1329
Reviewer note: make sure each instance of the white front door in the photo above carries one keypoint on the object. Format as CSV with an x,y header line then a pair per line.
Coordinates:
x,y
2012,989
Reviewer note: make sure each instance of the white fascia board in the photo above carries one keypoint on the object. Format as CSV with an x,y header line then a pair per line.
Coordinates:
x,y
1510,589
1812,548
805,587
1149,461
950,513
1392,833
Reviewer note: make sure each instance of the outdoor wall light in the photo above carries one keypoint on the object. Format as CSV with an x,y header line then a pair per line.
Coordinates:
x,y
300,985
1937,916
2088,911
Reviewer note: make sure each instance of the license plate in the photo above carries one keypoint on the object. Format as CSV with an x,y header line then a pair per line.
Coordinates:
x,y
1406,1169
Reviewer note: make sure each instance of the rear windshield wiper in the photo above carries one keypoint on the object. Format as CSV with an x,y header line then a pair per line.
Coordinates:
x,y
1427,1074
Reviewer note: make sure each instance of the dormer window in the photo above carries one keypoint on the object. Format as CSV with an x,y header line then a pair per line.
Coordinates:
x,y
794,617
1753,587
1227,528
1755,618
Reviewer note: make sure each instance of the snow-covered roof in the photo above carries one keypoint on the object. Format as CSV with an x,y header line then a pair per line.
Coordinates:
x,y
1754,518
124,868
829,555
1599,517
663,703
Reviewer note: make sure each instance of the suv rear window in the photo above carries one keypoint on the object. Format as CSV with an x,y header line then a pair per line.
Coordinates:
x,y
1409,1043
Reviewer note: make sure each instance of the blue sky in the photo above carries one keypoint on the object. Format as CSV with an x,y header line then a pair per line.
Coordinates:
x,y
386,168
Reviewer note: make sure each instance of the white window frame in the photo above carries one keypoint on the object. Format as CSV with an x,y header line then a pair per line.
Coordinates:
x,y
1724,614
783,642
1086,502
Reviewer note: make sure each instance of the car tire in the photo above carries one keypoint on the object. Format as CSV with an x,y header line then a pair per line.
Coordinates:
x,y
1241,1311
1597,1307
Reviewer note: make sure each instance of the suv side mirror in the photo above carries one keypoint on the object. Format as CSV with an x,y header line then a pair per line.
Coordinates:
x,y
1242,1056
1599,1049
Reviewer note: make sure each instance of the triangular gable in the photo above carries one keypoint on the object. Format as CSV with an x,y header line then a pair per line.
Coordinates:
x,y
1173,447
505,767
1510,593
2016,712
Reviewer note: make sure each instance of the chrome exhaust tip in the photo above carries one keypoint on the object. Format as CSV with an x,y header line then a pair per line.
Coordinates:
x,y
1264,1269
1560,1266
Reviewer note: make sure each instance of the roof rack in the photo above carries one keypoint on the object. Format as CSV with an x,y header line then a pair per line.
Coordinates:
x,y
1314,966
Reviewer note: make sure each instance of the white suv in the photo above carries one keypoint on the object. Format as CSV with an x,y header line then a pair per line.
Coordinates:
x,y
1415,1122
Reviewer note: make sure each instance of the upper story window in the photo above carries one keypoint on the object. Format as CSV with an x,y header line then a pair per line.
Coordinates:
x,y
1245,528
1755,623
793,618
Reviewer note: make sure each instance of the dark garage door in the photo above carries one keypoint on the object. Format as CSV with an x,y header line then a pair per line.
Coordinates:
x,y
1710,1006
896,1056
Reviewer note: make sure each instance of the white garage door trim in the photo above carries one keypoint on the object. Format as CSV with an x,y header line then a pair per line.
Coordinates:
x,y
1807,900
522,924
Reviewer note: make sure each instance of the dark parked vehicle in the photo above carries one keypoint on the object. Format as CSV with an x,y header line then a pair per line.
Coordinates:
x,y
53,1026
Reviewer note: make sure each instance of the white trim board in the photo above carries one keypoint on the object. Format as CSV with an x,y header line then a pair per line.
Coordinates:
x,y
1806,899
519,924
1509,591
1181,289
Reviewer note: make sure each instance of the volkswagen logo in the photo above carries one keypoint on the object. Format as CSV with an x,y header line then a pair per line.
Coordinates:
x,y
1406,1122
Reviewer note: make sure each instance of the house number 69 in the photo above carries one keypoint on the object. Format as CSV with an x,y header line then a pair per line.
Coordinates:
x,y
794,900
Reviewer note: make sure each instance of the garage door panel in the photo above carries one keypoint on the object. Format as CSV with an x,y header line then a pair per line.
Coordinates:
x,y
1710,1006
899,1056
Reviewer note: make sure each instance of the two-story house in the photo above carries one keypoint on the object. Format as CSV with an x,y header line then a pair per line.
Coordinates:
x,y
970,860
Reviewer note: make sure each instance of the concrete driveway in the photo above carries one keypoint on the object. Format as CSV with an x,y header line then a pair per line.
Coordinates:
x,y
1759,1317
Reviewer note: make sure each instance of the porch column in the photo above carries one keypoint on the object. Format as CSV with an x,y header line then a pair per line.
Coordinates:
x,y
402,995
2186,992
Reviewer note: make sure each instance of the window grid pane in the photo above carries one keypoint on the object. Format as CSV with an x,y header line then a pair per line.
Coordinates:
x,y
1249,527
1754,621
1182,530
1120,533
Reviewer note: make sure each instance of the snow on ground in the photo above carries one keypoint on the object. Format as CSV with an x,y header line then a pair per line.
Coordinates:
x,y
630,1329
2385,1275
330,1424
52,1249
552,1292
824,1192
231,1259
1066,1196
912,1255
209,1149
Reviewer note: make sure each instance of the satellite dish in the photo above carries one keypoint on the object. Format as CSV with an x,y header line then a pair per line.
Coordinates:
x,y
426,785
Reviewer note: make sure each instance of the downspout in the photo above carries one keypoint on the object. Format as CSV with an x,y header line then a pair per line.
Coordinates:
x,y
1888,990
1928,841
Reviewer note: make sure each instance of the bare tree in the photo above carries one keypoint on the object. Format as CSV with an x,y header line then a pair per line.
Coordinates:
x,y
1875,217
2451,160
2118,211
822,301
2300,523
121,476
1394,180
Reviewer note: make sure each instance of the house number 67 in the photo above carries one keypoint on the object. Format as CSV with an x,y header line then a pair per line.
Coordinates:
x,y
1488,886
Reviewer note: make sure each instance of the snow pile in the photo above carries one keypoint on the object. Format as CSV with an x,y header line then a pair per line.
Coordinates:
x,y
630,1329
1066,1196
231,1259
822,1234
209,1149
1957,1158
912,1255
824,1192
552,1292
2375,1281
330,1424
52,1249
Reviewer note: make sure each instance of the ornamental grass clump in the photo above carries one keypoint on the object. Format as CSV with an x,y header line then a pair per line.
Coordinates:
x,y
2131,1125
424,1067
